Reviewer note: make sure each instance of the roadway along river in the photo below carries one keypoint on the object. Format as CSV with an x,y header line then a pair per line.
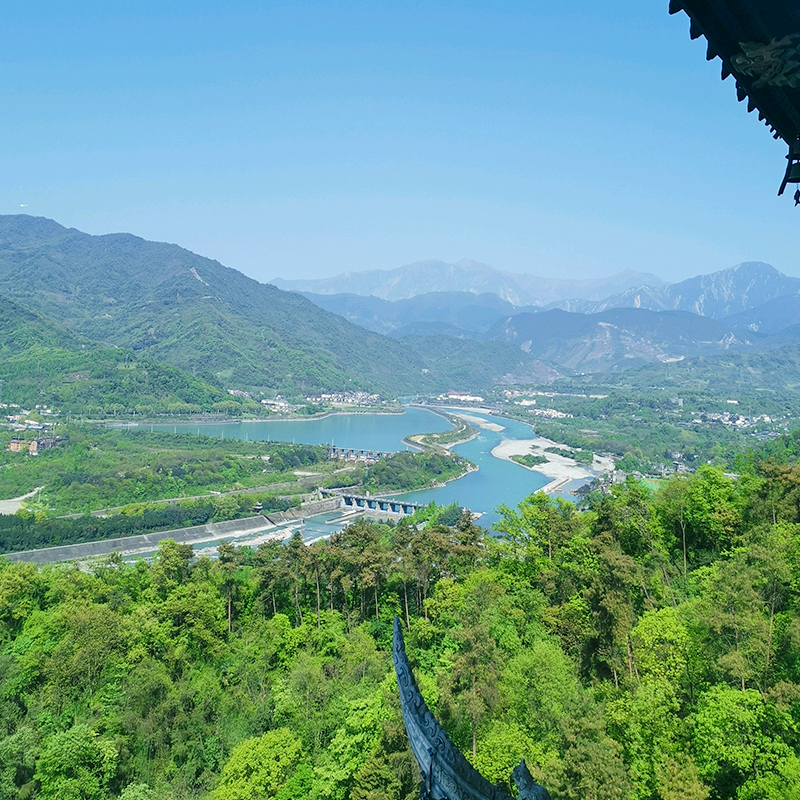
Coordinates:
x,y
496,481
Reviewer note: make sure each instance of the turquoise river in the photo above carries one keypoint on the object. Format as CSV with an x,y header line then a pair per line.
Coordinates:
x,y
496,481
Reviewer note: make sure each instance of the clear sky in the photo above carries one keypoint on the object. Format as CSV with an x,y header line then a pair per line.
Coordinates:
x,y
566,139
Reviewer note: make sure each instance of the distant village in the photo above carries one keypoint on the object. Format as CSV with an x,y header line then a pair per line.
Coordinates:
x,y
345,399
280,405
735,420
39,430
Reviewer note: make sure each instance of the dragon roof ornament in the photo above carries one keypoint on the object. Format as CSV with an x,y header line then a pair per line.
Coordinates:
x,y
758,42
446,774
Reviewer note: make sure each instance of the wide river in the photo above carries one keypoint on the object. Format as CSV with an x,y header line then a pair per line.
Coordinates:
x,y
496,481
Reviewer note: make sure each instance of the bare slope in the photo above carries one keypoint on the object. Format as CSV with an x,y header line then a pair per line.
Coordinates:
x,y
617,339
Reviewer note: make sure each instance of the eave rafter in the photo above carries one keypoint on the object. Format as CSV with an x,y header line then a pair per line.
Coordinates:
x,y
727,25
758,43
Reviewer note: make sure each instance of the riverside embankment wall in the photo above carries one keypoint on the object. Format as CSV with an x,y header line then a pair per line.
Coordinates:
x,y
197,533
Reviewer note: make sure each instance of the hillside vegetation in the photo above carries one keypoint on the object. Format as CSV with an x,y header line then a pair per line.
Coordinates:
x,y
169,304
643,650
43,363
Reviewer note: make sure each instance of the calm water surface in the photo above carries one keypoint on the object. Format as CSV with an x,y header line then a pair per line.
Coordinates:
x,y
495,482
362,431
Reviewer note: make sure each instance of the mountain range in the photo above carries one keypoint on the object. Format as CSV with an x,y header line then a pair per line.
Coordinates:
x,y
468,276
719,295
617,339
170,305
204,328
748,307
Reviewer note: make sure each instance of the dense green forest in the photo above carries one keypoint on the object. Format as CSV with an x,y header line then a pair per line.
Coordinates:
x,y
581,456
647,648
406,470
529,460
41,362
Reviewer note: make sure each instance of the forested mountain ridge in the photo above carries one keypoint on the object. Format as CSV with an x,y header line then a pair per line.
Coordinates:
x,y
168,303
643,650
42,362
186,309
468,362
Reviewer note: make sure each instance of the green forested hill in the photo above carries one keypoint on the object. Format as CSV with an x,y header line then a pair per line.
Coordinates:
x,y
168,303
478,364
42,362
190,311
644,650
767,382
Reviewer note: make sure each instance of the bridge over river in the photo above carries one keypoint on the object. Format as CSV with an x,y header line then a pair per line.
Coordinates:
x,y
354,454
402,507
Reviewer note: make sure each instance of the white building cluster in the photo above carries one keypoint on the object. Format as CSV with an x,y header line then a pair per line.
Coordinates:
x,y
734,420
346,398
549,413
461,397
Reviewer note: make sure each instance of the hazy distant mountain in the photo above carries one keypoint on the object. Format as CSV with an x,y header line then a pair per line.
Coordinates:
x,y
731,290
652,298
450,313
718,295
783,338
616,339
548,290
575,341
467,276
168,303
478,363
769,317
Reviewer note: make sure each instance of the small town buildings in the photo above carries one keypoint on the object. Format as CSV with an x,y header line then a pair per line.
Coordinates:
x,y
33,446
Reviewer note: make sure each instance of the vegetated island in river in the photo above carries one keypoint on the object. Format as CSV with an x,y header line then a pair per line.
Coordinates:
x,y
444,440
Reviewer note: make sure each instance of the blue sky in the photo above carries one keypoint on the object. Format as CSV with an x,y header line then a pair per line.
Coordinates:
x,y
571,139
